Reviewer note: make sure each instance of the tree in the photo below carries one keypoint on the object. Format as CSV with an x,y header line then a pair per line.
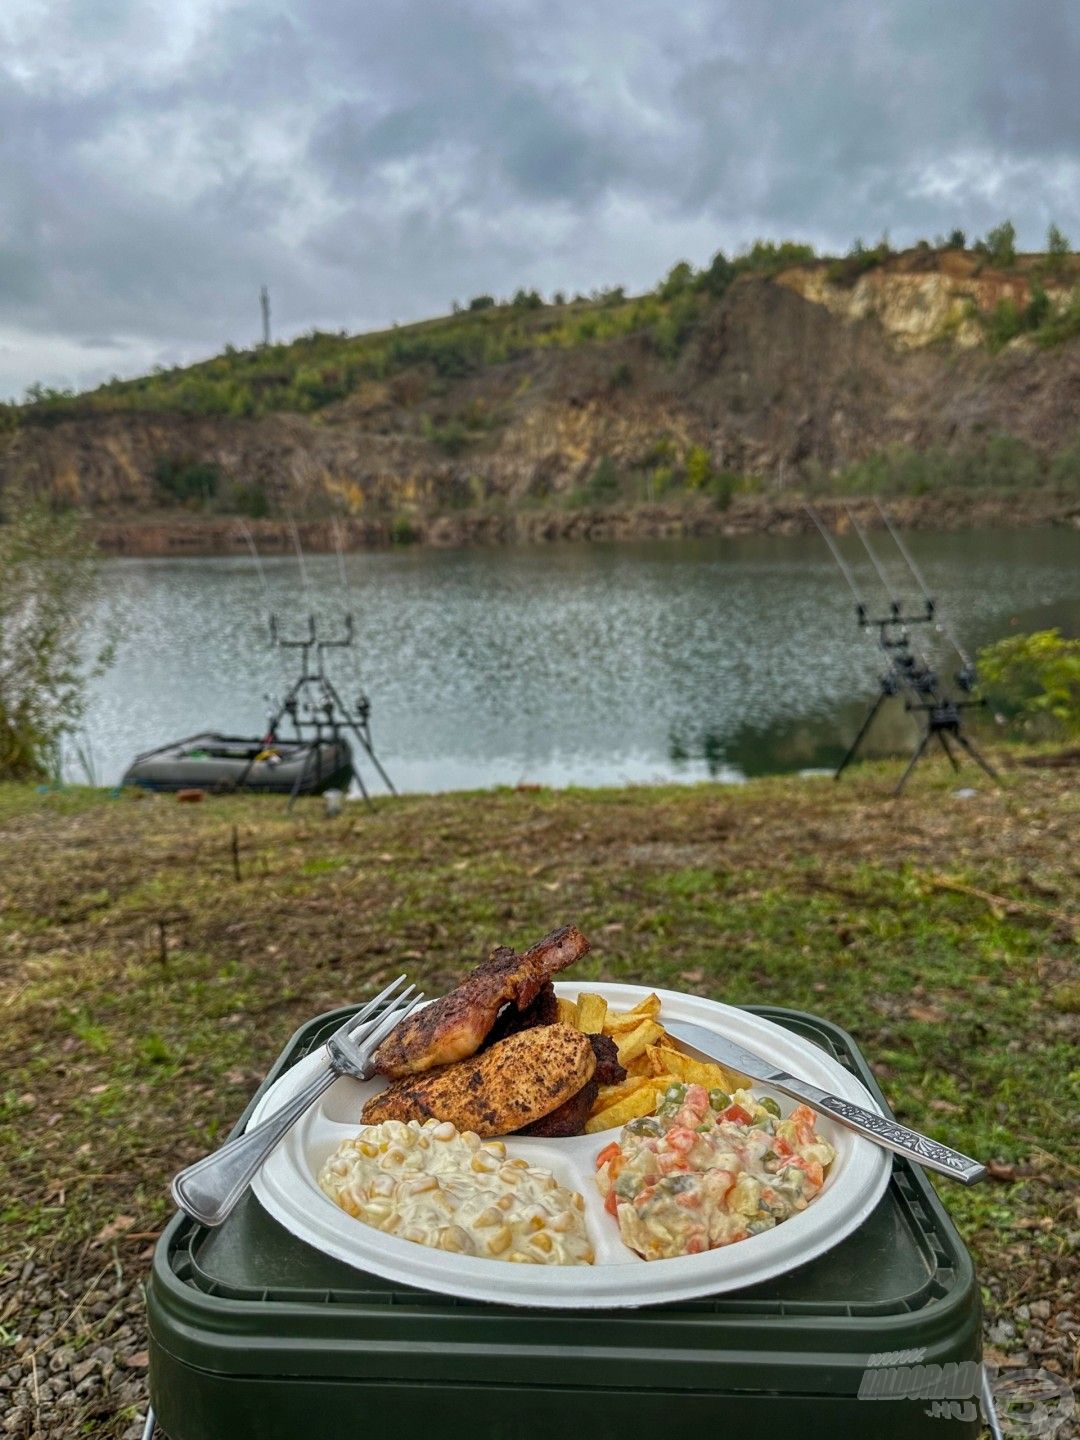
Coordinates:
x,y
718,276
1057,247
1000,244
957,240
48,583
679,278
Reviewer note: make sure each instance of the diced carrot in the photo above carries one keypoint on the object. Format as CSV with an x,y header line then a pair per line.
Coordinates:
x,y
607,1153
611,1204
736,1113
682,1139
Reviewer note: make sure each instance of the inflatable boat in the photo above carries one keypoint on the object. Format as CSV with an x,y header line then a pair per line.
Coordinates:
x,y
223,763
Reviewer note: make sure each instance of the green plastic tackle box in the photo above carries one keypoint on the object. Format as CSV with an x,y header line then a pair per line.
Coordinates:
x,y
255,1336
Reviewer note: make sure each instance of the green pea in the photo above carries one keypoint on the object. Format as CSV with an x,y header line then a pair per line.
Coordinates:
x,y
719,1099
768,1103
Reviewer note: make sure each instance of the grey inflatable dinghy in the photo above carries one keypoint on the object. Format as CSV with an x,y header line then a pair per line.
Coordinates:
x,y
222,763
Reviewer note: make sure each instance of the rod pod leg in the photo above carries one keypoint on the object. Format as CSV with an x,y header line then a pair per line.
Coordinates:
x,y
979,759
953,761
913,761
863,728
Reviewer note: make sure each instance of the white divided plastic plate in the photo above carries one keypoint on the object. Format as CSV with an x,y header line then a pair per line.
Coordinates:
x,y
287,1187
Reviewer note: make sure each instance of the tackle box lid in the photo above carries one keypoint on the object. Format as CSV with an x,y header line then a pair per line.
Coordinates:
x,y
248,1299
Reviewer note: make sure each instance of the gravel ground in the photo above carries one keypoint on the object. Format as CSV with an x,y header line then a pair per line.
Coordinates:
x,y
80,1364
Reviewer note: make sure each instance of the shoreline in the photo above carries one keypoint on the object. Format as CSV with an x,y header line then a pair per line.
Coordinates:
x,y
183,533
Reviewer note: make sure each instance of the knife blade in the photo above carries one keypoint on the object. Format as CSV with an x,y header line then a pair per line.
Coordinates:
x,y
882,1130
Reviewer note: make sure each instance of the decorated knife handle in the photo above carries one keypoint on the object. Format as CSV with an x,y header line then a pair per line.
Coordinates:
x,y
893,1136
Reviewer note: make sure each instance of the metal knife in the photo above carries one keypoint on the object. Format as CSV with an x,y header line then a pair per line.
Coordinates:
x,y
878,1128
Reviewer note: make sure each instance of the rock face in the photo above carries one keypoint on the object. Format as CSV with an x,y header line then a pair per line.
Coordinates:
x,y
782,376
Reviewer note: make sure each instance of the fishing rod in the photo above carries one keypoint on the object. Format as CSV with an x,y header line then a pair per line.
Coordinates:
x,y
966,677
363,731
908,672
913,660
300,558
342,577
842,565
245,531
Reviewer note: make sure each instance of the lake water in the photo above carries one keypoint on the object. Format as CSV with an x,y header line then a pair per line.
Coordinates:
x,y
564,664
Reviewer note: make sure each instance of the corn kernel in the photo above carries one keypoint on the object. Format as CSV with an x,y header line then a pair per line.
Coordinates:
x,y
500,1241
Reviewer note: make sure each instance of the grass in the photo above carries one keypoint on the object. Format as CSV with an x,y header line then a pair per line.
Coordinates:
x,y
940,931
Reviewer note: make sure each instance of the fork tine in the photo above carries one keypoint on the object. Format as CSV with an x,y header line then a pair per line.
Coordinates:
x,y
385,1025
374,1003
355,1031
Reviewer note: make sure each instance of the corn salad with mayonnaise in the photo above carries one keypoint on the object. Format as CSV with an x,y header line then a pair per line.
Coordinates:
x,y
453,1191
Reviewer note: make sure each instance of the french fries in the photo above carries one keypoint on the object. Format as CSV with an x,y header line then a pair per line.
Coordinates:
x,y
592,1013
651,1061
647,1009
632,1043
612,1094
666,1060
638,1102
568,1012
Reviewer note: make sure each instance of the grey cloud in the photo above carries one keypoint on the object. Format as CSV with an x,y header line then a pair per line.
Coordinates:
x,y
372,161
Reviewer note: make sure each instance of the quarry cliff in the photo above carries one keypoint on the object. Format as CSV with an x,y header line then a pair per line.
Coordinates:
x,y
933,368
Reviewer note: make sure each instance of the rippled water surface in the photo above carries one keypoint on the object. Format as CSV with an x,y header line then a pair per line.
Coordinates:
x,y
571,664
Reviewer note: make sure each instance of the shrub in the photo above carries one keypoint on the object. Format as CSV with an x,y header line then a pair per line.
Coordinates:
x,y
527,300
1034,682
722,486
1062,326
698,468
1038,309
1064,471
999,462
1003,323
451,438
251,500
481,302
671,331
183,479
603,483
622,376
49,579
857,261
767,257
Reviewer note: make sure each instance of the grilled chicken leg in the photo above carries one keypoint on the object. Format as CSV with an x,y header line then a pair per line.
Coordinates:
x,y
456,1025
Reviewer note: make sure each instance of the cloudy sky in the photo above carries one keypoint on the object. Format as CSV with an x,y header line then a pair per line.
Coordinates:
x,y
372,160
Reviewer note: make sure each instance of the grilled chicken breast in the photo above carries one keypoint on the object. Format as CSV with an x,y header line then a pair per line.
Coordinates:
x,y
456,1025
570,1117
510,1085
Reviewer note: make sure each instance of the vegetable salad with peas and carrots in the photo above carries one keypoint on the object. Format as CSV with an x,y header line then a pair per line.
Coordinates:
x,y
709,1169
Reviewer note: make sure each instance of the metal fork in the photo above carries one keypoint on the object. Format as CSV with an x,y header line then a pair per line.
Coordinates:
x,y
209,1190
